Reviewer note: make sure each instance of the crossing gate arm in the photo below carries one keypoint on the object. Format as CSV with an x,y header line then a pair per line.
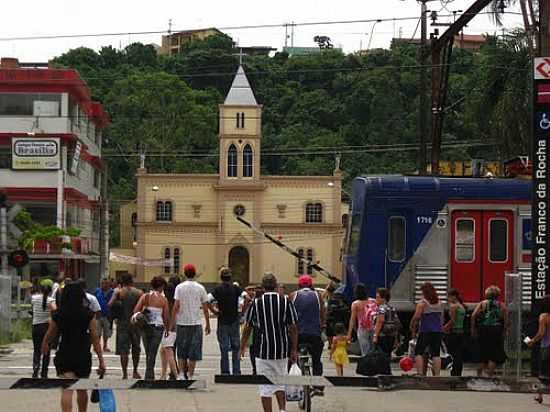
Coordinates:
x,y
392,383
89,384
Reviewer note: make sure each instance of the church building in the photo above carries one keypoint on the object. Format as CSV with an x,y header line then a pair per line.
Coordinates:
x,y
191,218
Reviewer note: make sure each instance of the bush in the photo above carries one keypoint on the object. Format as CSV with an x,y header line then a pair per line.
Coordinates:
x,y
21,330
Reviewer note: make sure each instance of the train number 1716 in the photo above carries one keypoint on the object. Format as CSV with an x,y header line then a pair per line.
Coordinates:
x,y
424,220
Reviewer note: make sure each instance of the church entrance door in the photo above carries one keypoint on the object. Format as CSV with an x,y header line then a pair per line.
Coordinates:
x,y
239,262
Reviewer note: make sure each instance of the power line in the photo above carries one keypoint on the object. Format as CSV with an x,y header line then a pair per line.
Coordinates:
x,y
227,28
311,152
293,149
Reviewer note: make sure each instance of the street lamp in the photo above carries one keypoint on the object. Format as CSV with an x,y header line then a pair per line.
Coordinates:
x,y
331,184
372,32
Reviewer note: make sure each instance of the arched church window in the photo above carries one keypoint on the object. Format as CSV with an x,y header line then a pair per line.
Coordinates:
x,y
232,161
248,161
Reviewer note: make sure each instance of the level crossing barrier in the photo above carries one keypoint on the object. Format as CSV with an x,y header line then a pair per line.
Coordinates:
x,y
90,384
380,382
391,383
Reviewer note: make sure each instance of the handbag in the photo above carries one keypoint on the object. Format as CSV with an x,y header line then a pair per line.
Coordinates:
x,y
376,362
140,319
116,309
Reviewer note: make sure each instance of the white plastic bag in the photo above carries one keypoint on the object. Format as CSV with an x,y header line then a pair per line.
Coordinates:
x,y
294,393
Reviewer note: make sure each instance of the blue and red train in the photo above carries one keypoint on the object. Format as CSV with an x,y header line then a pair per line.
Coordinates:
x,y
464,233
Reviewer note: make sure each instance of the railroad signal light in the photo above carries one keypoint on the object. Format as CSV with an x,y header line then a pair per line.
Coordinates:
x,y
18,258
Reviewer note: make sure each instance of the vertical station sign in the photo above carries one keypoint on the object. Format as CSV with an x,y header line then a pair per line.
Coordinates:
x,y
540,264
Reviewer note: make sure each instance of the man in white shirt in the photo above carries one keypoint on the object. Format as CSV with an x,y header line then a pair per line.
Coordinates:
x,y
189,298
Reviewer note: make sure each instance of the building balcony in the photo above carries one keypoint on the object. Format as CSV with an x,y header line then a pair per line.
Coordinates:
x,y
79,246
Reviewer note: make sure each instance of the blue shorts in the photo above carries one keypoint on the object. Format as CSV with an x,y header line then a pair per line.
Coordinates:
x,y
189,342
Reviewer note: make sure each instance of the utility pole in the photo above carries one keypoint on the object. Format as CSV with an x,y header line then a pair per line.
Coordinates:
x,y
286,35
4,238
5,278
544,32
423,83
104,230
441,52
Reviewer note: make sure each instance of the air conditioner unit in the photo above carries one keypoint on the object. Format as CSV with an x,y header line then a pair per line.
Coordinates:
x,y
41,108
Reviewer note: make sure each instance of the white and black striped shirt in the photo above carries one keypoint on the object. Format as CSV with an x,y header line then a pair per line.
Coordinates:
x,y
271,315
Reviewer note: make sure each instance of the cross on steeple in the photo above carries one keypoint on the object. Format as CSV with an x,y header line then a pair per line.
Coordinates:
x,y
241,55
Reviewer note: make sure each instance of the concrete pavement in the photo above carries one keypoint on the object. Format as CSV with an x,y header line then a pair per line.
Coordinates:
x,y
244,398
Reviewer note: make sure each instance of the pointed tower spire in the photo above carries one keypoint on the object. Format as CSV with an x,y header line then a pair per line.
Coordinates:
x,y
241,93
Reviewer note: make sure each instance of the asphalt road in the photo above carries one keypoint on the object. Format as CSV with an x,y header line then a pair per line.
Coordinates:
x,y
241,398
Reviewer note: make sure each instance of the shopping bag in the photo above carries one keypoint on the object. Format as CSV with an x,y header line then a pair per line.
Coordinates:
x,y
446,358
374,363
107,402
294,393
105,398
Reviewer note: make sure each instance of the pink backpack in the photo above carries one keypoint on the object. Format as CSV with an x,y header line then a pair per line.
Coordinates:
x,y
366,317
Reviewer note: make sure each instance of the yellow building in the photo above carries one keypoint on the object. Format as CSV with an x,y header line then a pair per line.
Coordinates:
x,y
191,218
171,43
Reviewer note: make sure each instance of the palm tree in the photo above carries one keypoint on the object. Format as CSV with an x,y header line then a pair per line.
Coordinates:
x,y
529,9
497,9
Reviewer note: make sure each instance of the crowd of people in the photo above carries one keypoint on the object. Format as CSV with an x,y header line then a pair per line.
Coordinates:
x,y
173,317
433,330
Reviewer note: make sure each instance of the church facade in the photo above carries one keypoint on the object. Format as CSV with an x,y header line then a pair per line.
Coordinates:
x,y
191,218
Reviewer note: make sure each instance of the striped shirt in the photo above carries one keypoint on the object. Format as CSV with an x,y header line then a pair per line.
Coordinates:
x,y
270,316
39,314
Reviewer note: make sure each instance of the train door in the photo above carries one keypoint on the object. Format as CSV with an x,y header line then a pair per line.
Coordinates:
x,y
498,250
481,251
398,247
466,254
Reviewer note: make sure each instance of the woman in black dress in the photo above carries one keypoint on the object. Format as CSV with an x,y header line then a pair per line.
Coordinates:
x,y
76,327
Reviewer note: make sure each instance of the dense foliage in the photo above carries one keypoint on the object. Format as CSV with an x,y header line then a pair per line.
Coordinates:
x,y
314,107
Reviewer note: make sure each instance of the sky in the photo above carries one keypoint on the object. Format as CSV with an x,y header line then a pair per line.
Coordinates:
x,y
61,17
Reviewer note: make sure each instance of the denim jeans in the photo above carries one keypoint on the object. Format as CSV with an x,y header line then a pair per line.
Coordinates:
x,y
316,345
152,335
228,339
364,336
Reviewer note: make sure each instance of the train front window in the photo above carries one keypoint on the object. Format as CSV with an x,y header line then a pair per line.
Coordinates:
x,y
465,240
396,239
498,240
355,235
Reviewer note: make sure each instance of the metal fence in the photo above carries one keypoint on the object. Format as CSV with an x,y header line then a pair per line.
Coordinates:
x,y
5,306
513,341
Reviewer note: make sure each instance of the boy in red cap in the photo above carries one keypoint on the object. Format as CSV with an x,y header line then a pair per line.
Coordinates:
x,y
189,298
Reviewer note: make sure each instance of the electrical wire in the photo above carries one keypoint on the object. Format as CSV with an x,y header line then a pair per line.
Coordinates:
x,y
311,152
395,68
227,28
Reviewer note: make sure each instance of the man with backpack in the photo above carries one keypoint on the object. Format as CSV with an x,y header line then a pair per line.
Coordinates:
x,y
128,337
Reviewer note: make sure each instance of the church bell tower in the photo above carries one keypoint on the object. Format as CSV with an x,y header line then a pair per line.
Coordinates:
x,y
240,133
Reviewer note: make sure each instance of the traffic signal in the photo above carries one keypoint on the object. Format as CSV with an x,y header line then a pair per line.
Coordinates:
x,y
18,258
